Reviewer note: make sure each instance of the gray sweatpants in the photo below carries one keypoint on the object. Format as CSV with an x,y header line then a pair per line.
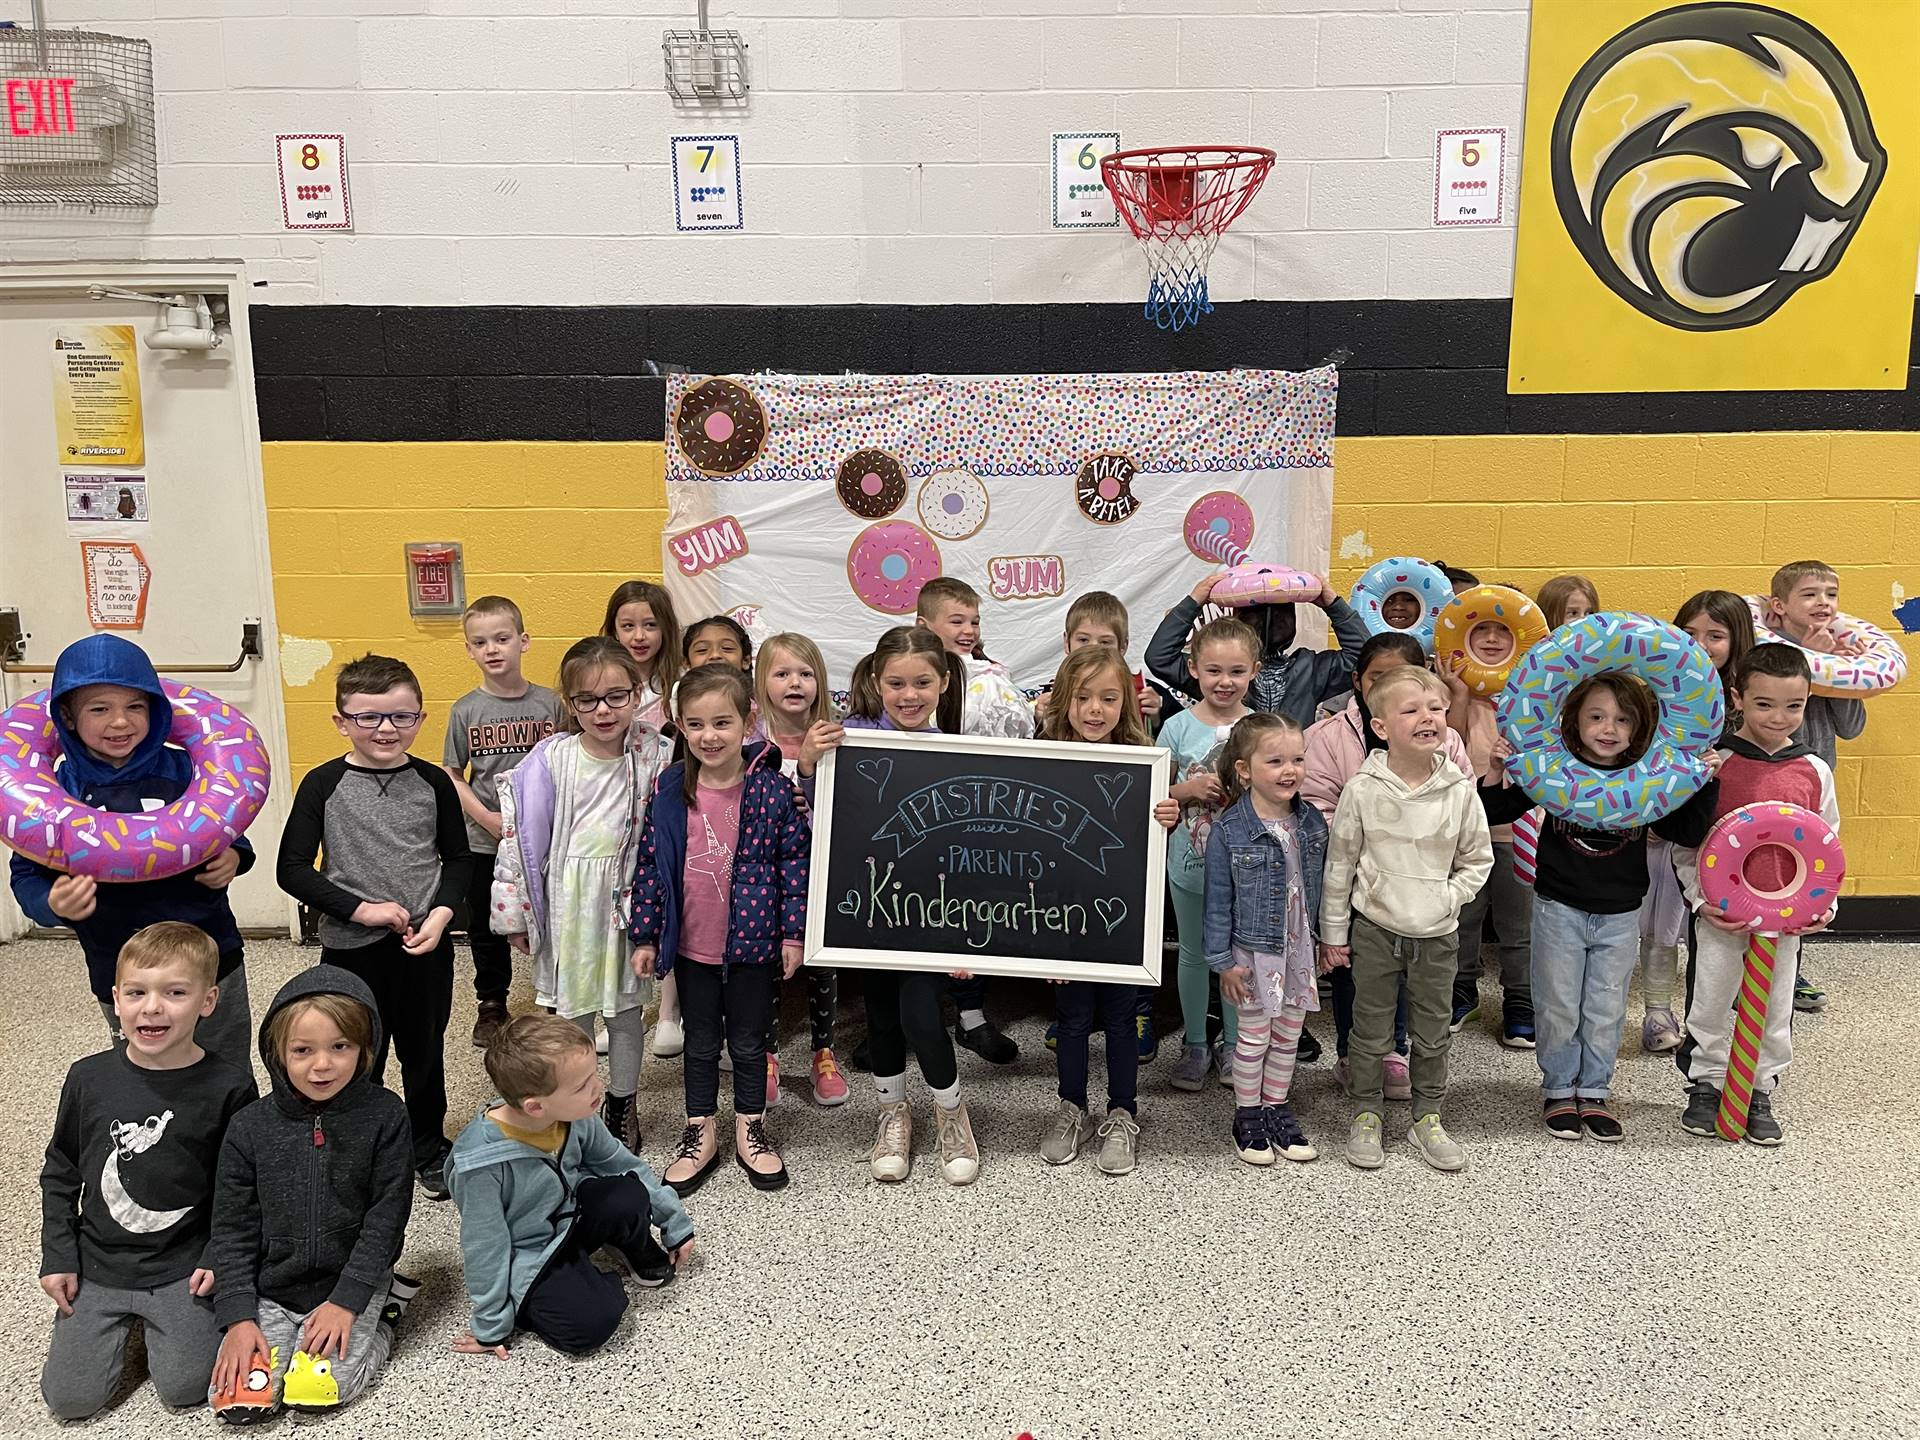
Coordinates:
x,y
228,1032
368,1345
90,1345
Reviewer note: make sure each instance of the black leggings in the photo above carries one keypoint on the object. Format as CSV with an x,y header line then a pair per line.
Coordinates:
x,y
823,1006
732,1000
903,1009
573,1304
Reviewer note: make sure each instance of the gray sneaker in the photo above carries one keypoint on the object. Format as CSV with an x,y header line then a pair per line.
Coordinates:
x,y
1703,1110
1762,1127
1223,1062
1363,1142
1119,1142
1436,1147
1190,1070
1067,1130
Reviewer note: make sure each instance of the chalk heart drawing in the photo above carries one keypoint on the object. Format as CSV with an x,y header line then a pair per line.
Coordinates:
x,y
1115,787
851,905
876,772
1111,912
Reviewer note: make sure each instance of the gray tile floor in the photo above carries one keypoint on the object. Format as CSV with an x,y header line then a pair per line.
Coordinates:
x,y
1670,1286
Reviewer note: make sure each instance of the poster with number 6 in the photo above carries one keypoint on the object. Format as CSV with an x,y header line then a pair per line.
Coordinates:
x,y
1081,200
313,182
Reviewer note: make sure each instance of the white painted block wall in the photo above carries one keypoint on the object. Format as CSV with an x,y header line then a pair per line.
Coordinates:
x,y
515,151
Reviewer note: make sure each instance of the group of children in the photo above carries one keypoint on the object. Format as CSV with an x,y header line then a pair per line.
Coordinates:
x,y
642,832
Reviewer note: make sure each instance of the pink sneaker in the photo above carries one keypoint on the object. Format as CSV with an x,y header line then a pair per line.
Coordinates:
x,y
1399,1084
829,1085
773,1079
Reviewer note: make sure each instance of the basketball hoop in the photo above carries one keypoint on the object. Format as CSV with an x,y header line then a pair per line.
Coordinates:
x,y
1177,200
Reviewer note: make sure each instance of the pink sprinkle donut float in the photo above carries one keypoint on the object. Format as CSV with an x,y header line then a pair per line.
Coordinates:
x,y
1811,887
48,826
1219,527
888,563
1883,666
1265,585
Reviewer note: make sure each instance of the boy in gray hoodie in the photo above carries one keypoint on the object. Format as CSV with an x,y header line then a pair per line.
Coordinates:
x,y
1409,846
310,1209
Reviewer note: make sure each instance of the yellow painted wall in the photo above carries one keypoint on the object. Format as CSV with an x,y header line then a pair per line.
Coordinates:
x,y
1649,518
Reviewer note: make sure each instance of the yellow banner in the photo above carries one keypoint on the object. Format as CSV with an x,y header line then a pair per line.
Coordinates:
x,y
96,396
1718,196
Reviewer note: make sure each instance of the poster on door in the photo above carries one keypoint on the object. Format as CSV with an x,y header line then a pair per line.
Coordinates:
x,y
105,499
96,396
117,580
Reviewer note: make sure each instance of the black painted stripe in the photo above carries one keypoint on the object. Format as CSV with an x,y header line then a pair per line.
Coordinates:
x,y
1412,367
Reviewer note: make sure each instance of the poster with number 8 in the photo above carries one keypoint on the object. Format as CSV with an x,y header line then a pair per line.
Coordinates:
x,y
313,182
1081,200
706,182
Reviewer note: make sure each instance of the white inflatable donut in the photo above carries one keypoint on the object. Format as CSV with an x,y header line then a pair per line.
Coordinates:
x,y
1883,666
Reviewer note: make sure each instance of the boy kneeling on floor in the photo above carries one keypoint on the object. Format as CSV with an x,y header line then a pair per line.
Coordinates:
x,y
541,1185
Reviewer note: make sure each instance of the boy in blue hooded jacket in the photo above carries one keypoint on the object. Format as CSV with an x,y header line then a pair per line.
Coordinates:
x,y
114,720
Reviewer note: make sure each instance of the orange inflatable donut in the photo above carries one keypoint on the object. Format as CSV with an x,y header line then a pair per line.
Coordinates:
x,y
1513,612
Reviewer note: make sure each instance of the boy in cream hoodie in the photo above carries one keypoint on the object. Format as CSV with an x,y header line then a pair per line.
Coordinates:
x,y
1409,847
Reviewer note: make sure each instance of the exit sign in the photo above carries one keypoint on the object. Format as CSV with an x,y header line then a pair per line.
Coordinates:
x,y
41,105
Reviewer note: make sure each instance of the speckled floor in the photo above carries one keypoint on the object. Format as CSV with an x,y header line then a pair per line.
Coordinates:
x,y
1669,1286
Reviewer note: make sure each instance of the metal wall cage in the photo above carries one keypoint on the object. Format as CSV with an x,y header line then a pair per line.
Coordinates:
x,y
705,66
76,120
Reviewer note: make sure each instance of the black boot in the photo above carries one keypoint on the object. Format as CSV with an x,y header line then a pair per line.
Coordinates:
x,y
623,1119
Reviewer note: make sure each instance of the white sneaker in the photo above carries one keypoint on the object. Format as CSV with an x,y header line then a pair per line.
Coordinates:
x,y
1436,1147
600,1041
669,1039
1363,1142
893,1144
959,1153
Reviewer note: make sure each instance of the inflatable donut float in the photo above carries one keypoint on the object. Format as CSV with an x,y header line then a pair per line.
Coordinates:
x,y
1692,711
1265,585
1104,488
1848,676
720,426
953,504
1403,575
1513,612
888,563
871,483
41,821
1812,886
1219,527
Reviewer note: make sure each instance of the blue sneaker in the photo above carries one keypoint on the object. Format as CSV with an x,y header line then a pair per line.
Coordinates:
x,y
1250,1135
1517,1035
1053,1035
1463,1016
1285,1135
1149,1038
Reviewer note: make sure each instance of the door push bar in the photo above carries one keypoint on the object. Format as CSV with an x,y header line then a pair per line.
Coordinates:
x,y
13,649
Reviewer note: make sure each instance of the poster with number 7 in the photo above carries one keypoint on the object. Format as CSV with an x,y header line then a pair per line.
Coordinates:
x,y
313,182
706,182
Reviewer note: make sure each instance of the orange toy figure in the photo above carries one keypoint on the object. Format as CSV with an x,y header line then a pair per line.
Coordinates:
x,y
250,1398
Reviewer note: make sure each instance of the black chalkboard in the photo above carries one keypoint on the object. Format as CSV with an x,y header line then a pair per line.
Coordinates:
x,y
1003,857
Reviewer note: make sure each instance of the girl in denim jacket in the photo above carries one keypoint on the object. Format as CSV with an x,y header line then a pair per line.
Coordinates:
x,y
1264,860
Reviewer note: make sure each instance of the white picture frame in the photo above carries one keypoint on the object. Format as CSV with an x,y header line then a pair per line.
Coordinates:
x,y
1154,761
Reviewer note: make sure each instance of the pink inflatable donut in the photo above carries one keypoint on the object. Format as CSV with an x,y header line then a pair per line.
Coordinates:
x,y
1219,527
1812,887
1265,585
50,827
888,564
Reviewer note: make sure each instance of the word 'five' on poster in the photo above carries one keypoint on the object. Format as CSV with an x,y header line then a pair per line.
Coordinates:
x,y
706,182
96,396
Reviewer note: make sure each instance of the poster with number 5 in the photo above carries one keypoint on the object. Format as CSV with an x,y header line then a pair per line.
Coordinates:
x,y
313,182
706,182
1470,176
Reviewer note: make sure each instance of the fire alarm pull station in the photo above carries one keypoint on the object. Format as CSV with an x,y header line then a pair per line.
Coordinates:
x,y
436,578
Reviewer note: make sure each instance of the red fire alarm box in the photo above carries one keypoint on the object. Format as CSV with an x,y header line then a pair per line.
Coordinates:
x,y
436,578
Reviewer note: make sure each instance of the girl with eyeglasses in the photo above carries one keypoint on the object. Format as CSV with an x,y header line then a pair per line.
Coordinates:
x,y
571,815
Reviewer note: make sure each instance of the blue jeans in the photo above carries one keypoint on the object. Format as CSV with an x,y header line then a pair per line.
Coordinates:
x,y
1581,966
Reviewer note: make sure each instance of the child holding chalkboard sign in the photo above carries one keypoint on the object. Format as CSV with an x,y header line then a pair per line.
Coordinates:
x,y
720,898
1094,702
912,683
1264,858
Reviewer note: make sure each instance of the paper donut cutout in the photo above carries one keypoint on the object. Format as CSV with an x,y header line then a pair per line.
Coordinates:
x,y
1813,887
871,483
1881,668
1692,711
720,426
39,819
1265,585
1488,605
1219,527
953,504
1403,575
888,563
1104,488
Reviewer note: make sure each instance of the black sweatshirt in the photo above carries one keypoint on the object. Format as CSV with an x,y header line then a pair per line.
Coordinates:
x,y
388,835
313,1199
126,1193
1601,872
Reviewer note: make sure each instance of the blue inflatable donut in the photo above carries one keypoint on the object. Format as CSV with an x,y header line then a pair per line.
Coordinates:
x,y
1692,711
1403,574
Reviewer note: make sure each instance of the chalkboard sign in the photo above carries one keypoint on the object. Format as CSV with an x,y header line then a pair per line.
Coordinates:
x,y
1002,857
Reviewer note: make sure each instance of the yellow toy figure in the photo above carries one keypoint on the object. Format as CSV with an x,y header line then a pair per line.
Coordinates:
x,y
309,1384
